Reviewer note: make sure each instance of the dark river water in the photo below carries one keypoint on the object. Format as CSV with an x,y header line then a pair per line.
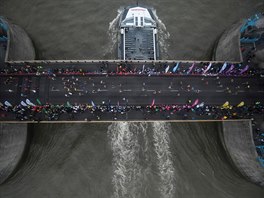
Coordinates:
x,y
131,160
181,160
81,29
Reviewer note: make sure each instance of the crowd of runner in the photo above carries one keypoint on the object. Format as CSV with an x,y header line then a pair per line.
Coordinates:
x,y
31,111
179,68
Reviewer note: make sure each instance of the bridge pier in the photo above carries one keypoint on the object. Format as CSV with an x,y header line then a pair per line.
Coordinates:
x,y
13,142
237,139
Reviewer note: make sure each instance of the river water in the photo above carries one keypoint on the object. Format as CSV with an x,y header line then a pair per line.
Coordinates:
x,y
131,160
125,159
80,29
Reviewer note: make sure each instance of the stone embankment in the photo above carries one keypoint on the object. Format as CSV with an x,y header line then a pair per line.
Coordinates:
x,y
238,142
228,46
19,46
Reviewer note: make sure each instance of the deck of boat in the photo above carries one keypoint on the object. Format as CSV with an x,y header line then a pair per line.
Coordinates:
x,y
139,44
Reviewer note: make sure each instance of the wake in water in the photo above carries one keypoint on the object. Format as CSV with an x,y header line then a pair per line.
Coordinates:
x,y
132,159
161,131
127,171
163,37
113,35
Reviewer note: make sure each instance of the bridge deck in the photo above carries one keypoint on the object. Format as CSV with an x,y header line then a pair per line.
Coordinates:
x,y
130,90
137,90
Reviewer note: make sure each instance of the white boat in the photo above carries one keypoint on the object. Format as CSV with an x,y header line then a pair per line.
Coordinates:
x,y
138,34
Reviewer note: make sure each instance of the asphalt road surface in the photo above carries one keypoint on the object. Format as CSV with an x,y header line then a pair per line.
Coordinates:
x,y
132,90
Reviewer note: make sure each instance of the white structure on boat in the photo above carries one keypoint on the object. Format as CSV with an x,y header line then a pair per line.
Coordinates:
x,y
138,34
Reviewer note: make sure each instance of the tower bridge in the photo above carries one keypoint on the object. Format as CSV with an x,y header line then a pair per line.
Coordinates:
x,y
129,90
41,90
